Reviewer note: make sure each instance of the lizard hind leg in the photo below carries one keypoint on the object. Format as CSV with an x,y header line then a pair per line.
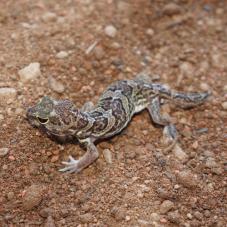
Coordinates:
x,y
154,111
88,106
169,131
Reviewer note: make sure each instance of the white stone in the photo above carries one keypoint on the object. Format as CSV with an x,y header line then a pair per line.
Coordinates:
x,y
7,95
110,31
30,72
62,54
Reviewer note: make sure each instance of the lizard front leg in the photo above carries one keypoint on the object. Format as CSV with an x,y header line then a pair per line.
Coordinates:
x,y
88,158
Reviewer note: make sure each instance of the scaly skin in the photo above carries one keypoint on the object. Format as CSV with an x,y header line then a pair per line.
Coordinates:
x,y
113,112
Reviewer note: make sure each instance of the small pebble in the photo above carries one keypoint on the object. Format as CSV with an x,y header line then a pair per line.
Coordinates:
x,y
30,72
10,195
62,54
56,85
166,206
225,88
33,196
86,218
1,117
189,216
171,9
150,32
49,222
179,153
45,212
7,95
54,158
49,17
224,105
107,155
204,87
110,31
187,179
198,215
187,69
4,151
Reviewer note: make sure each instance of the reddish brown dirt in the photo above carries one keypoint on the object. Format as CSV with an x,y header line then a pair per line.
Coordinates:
x,y
186,47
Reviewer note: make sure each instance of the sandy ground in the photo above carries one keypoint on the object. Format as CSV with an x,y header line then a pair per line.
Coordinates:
x,y
81,47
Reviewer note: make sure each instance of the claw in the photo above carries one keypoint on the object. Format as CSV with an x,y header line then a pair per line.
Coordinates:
x,y
71,165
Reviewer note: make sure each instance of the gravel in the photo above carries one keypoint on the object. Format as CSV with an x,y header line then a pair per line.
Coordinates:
x,y
110,31
30,72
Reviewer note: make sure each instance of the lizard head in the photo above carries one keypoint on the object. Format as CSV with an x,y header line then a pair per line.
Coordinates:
x,y
56,116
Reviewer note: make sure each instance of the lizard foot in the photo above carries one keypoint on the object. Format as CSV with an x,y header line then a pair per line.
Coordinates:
x,y
71,166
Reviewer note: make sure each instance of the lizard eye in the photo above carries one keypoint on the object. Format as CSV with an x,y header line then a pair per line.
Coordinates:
x,y
43,120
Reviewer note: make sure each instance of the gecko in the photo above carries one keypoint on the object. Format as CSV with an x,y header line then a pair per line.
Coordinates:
x,y
112,113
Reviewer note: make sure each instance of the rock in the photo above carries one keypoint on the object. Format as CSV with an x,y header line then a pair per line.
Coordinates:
x,y
179,153
30,72
4,151
166,206
33,196
86,218
110,31
171,9
7,95
56,85
49,17
62,54
224,105
107,155
187,179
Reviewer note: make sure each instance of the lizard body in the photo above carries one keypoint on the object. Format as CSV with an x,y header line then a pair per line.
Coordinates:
x,y
114,110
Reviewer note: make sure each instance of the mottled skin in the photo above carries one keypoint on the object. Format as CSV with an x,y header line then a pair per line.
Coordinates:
x,y
114,110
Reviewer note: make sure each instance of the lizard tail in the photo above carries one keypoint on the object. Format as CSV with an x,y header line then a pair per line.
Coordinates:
x,y
187,100
184,100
